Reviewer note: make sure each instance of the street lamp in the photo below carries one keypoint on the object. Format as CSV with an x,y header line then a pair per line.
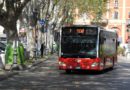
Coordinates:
x,y
52,42
15,65
34,22
46,31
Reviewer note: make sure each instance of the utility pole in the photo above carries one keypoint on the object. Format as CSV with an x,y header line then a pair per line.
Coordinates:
x,y
99,10
52,42
46,37
34,24
46,31
15,65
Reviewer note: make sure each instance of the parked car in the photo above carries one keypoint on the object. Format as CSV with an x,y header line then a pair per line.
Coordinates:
x,y
3,38
2,54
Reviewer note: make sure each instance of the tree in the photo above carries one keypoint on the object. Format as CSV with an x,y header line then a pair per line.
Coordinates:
x,y
93,8
10,10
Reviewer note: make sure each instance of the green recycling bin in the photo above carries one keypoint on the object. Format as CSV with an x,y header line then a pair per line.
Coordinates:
x,y
9,54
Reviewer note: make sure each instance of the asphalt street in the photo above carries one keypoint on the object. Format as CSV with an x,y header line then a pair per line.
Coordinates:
x,y
46,76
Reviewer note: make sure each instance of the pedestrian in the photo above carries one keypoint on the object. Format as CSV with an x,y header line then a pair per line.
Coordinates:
x,y
42,49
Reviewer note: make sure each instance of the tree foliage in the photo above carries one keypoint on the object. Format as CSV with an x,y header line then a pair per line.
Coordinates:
x,y
10,11
57,12
93,8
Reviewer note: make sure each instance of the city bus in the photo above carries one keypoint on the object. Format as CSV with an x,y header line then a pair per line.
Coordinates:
x,y
87,47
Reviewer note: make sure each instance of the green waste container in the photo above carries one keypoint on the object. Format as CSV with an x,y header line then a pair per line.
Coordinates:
x,y
9,54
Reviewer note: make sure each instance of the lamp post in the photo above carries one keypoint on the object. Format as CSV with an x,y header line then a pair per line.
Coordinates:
x,y
15,65
34,24
46,31
52,42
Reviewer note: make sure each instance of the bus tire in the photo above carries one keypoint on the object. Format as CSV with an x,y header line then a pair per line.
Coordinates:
x,y
104,64
68,71
113,63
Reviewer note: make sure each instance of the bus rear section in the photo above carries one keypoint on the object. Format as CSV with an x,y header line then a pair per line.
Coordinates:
x,y
80,49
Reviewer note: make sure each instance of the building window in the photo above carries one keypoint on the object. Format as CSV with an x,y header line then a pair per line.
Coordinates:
x,y
116,4
128,37
115,15
129,15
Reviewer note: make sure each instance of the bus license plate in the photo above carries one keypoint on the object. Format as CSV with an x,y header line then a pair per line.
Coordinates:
x,y
77,67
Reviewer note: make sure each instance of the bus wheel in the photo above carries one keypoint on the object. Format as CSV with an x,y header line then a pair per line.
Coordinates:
x,y
104,64
113,64
68,71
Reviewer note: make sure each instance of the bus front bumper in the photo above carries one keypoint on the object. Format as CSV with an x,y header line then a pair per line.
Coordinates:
x,y
80,64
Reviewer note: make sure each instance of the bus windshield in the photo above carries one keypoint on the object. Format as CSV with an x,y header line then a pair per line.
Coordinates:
x,y
80,44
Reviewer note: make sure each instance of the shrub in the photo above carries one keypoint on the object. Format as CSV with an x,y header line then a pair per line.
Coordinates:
x,y
120,51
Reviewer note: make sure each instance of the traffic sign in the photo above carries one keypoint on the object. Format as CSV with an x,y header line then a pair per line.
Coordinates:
x,y
42,22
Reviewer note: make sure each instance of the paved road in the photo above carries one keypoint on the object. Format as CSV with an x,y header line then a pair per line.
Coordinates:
x,y
47,77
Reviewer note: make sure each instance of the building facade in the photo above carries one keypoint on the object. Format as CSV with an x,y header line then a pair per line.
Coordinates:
x,y
117,17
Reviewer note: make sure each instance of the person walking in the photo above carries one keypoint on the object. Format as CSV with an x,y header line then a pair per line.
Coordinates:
x,y
42,49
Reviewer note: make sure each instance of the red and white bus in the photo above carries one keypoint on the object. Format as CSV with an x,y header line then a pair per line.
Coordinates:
x,y
87,47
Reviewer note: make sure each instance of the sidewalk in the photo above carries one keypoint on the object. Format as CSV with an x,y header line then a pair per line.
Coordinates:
x,y
123,59
38,61
6,74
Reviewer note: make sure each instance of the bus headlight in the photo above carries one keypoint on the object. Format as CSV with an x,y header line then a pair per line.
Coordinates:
x,y
95,64
78,61
62,63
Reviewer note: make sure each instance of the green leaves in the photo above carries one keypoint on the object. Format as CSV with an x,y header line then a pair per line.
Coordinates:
x,y
93,8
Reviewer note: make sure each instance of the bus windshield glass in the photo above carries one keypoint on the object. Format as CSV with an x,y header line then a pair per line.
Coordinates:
x,y
79,42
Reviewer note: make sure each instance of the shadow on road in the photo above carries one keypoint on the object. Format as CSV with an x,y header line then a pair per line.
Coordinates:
x,y
85,72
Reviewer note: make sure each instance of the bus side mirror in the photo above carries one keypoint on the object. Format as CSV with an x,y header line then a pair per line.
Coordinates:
x,y
118,43
104,39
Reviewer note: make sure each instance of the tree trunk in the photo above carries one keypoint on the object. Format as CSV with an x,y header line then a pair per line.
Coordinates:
x,y
11,31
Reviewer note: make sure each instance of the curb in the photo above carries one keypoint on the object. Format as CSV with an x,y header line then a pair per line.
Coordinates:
x,y
6,75
37,62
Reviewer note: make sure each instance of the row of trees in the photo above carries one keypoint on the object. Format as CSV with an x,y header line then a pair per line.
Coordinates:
x,y
57,12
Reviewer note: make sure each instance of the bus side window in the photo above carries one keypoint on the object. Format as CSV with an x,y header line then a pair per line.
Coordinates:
x,y
118,43
103,40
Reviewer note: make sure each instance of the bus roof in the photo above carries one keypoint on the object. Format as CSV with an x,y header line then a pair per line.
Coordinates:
x,y
79,26
111,30
96,26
